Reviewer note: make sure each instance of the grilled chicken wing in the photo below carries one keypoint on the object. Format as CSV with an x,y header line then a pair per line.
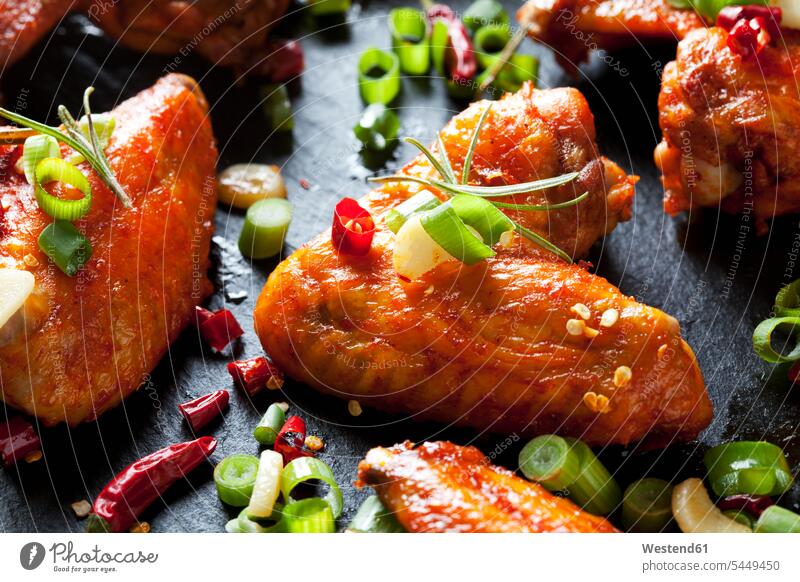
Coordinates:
x,y
729,127
487,345
440,487
88,341
575,27
226,33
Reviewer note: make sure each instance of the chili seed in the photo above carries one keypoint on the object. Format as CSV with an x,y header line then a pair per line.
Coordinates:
x,y
622,376
581,311
609,318
314,443
575,327
81,508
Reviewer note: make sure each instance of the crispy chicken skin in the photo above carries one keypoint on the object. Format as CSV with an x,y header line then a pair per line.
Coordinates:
x,y
575,27
486,346
87,342
226,33
730,127
440,487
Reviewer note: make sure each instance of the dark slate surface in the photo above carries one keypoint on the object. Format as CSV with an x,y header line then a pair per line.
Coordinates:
x,y
709,270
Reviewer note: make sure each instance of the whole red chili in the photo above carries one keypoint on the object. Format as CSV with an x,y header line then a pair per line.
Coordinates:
x,y
286,60
752,504
460,62
218,328
18,439
254,374
749,37
200,411
730,15
353,228
291,439
118,506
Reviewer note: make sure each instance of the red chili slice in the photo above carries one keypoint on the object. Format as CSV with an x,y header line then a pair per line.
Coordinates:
x,y
353,228
730,15
18,439
200,411
752,504
254,374
219,328
749,37
286,60
291,440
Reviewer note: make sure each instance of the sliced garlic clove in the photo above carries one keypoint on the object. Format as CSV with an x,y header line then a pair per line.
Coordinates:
x,y
15,288
696,513
415,252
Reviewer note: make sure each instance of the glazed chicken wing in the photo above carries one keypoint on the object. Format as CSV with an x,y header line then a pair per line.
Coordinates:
x,y
81,344
440,487
730,127
491,345
575,27
226,33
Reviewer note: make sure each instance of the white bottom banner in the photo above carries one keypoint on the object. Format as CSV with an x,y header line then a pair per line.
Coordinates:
x,y
353,556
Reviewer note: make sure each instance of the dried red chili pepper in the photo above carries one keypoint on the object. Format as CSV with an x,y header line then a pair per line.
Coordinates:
x,y
286,61
200,411
18,439
752,504
730,15
291,440
218,328
749,37
460,62
254,374
121,502
353,228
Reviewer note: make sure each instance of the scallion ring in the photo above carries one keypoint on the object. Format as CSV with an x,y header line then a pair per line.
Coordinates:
x,y
373,517
483,216
265,225
57,170
313,515
409,29
378,75
490,40
36,149
787,301
66,246
449,231
550,461
311,469
234,478
762,340
419,202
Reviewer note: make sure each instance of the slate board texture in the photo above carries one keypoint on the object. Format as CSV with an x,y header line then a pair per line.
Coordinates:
x,y
709,269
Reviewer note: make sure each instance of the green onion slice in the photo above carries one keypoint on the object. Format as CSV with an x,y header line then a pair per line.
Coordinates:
x,y
777,519
66,246
448,229
234,477
483,216
313,515
329,7
787,302
377,128
57,170
472,144
265,227
647,506
762,340
513,74
419,202
233,526
595,489
490,40
277,107
551,461
312,469
36,149
484,13
409,29
103,124
373,517
439,39
751,467
270,425
246,523
378,75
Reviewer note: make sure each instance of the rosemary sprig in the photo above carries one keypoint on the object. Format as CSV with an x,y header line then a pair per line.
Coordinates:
x,y
449,186
74,138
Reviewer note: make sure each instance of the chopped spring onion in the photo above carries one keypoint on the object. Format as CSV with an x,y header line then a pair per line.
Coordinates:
x,y
277,107
242,185
550,461
378,76
66,246
57,170
373,517
267,486
776,519
36,148
267,430
449,231
481,215
595,489
377,128
419,202
740,516
15,288
647,506
511,76
490,41
274,524
762,340
305,469
694,511
751,467
233,526
104,124
234,478
787,301
265,227
409,29
329,7
484,13
313,515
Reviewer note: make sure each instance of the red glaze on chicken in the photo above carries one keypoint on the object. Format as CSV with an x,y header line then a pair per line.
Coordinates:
x,y
84,343
439,487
